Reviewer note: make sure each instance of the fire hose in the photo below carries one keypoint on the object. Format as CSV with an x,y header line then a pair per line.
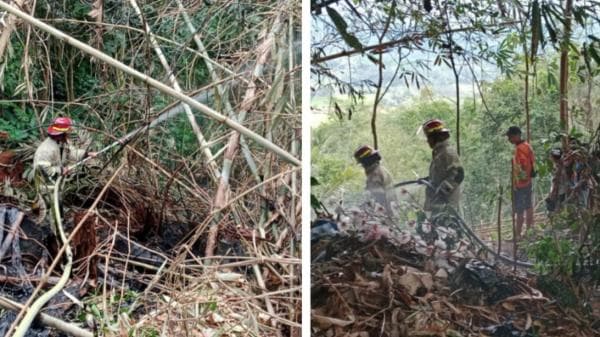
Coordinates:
x,y
38,304
128,137
466,229
475,238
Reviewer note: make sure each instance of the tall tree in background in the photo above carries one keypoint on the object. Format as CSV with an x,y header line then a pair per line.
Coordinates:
x,y
564,72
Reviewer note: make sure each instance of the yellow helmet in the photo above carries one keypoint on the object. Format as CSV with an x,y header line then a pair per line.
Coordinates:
x,y
365,154
434,126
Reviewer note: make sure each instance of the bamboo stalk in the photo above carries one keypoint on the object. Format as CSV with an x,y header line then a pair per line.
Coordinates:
x,y
48,320
293,202
247,103
220,89
213,169
500,221
152,82
514,213
9,25
208,61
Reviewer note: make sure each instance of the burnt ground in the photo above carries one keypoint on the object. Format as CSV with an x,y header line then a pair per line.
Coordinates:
x,y
387,288
31,249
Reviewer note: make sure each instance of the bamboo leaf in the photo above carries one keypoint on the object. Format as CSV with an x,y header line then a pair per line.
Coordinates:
x,y
338,111
342,28
373,59
552,81
593,37
550,25
580,15
594,54
586,57
536,29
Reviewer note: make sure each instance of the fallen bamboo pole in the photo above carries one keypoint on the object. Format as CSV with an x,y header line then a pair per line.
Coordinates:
x,y
151,82
17,280
48,320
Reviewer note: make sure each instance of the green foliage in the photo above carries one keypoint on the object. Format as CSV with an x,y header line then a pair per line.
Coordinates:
x,y
558,290
315,203
16,121
145,332
554,255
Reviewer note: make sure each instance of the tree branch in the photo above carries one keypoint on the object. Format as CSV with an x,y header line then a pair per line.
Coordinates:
x,y
403,40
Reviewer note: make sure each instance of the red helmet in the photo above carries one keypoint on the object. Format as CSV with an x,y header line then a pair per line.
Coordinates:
x,y
433,126
60,126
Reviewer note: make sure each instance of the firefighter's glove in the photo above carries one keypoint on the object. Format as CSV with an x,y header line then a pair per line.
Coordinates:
x,y
445,188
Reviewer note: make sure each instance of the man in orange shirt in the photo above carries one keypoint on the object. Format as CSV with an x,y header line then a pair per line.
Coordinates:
x,y
522,173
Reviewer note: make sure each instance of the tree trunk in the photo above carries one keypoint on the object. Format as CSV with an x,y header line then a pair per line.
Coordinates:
x,y
378,94
376,103
527,117
456,81
564,73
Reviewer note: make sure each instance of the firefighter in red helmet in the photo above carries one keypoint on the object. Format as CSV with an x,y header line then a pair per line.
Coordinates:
x,y
51,158
446,172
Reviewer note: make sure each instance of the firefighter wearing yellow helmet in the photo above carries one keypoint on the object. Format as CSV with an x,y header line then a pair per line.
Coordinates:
x,y
446,172
379,180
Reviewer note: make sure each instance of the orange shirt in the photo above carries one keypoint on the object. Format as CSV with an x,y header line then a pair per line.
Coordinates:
x,y
522,164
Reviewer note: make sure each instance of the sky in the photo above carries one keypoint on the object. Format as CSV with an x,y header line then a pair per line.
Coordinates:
x,y
440,79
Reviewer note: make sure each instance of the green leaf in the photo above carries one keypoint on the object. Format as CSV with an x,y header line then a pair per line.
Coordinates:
x,y
338,111
342,28
552,81
593,37
594,54
315,202
314,181
550,25
586,57
373,59
580,15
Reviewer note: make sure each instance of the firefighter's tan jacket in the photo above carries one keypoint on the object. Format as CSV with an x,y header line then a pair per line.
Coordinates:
x,y
445,175
380,185
49,160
